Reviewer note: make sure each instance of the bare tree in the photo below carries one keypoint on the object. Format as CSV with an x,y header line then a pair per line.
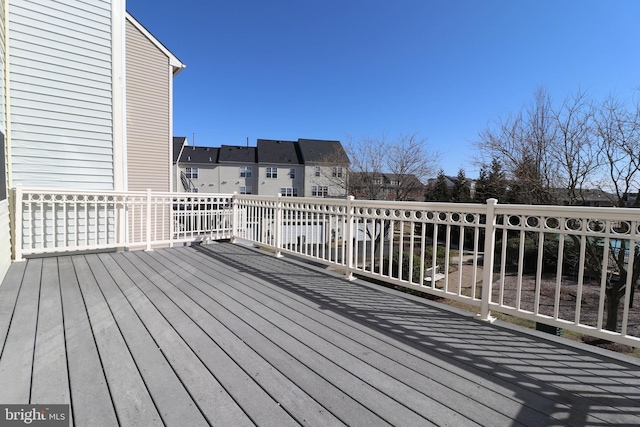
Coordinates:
x,y
575,152
396,169
617,130
522,142
389,169
568,148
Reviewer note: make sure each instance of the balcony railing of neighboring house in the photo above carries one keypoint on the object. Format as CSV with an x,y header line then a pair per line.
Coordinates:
x,y
557,265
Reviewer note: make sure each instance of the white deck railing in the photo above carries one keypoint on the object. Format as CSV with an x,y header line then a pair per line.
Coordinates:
x,y
553,265
50,221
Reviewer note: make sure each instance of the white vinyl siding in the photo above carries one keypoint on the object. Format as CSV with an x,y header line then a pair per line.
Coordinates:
x,y
3,118
5,239
61,94
148,115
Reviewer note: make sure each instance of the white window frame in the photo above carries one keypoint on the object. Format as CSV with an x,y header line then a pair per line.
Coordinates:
x,y
191,172
337,172
289,191
246,171
272,172
319,191
318,170
246,189
292,173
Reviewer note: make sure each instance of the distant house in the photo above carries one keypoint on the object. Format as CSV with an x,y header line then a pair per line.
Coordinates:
x,y
584,197
451,181
90,101
303,168
386,186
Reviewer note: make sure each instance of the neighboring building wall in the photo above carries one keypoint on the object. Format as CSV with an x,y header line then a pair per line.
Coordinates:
x,y
148,113
271,186
61,94
231,181
336,185
207,180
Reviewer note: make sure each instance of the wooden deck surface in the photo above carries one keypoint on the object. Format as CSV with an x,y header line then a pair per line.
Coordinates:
x,y
225,335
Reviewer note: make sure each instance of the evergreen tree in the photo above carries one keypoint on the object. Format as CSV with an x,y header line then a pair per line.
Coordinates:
x,y
438,192
461,191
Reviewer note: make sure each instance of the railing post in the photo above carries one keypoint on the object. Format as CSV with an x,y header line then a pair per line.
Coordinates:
x,y
349,239
18,223
234,217
489,249
148,219
278,226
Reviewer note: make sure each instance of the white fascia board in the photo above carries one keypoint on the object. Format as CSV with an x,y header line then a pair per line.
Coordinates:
x,y
174,62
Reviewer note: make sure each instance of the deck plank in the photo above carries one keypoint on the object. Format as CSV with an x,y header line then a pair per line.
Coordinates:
x,y
230,335
91,402
165,323
238,336
456,344
327,367
148,390
241,365
50,383
16,364
460,395
9,291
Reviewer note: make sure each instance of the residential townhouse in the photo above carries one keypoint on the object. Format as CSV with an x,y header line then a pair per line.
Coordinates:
x,y
85,101
303,168
386,186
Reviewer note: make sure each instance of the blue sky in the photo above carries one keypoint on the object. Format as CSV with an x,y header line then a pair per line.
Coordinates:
x,y
329,69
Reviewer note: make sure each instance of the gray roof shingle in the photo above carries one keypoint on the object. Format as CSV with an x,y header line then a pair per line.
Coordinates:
x,y
278,152
322,151
178,142
237,154
200,155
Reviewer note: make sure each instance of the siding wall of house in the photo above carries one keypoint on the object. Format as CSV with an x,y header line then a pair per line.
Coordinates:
x,y
148,120
5,239
5,224
272,186
61,96
231,181
336,187
207,174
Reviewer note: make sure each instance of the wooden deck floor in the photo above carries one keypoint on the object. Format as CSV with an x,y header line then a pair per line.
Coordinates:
x,y
224,335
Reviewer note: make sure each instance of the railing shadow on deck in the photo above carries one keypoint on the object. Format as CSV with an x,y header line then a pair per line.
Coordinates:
x,y
565,382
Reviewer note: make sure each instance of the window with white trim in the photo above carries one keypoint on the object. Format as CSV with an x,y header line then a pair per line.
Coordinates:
x,y
289,191
319,190
337,172
317,172
245,172
292,173
191,172
245,190
192,190
272,172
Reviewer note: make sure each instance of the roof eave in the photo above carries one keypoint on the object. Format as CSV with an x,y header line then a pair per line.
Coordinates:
x,y
174,62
